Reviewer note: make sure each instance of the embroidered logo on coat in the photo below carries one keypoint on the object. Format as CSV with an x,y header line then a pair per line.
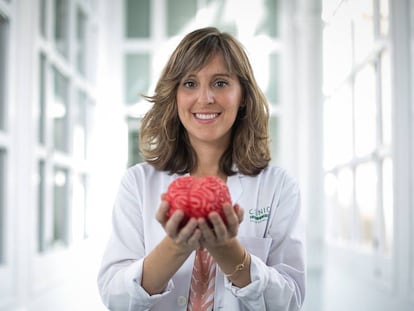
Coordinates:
x,y
259,215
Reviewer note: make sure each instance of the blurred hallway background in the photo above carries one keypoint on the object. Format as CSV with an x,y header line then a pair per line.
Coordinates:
x,y
338,75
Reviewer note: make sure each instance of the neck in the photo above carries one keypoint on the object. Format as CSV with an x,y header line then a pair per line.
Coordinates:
x,y
208,163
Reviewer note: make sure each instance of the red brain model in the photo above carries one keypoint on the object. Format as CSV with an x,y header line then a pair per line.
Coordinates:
x,y
197,197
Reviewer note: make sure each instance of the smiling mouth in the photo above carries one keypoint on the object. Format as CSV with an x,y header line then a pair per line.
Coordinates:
x,y
206,116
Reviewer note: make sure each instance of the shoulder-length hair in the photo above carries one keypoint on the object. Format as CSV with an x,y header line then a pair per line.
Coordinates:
x,y
164,142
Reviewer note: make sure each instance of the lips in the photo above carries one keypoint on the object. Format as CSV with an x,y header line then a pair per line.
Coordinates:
x,y
206,116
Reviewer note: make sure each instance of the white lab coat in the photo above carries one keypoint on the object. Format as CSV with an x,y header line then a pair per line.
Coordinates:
x,y
272,232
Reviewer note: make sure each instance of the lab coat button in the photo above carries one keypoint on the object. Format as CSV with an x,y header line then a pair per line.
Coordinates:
x,y
182,300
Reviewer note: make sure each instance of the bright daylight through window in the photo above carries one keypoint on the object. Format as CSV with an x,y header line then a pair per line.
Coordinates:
x,y
357,126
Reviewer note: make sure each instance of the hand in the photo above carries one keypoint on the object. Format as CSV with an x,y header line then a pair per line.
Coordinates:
x,y
187,237
222,231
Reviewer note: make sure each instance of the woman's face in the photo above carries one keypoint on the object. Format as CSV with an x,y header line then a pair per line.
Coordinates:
x,y
208,102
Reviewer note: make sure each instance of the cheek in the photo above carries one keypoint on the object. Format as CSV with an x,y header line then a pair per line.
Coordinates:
x,y
234,104
183,102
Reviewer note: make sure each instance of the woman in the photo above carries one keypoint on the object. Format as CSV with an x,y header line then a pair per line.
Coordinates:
x,y
209,118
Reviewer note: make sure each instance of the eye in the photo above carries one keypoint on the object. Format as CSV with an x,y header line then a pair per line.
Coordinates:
x,y
221,83
189,84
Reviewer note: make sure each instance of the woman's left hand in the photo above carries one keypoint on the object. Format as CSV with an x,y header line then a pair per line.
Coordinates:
x,y
222,231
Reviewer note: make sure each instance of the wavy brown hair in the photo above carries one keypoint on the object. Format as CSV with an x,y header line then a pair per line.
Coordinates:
x,y
164,142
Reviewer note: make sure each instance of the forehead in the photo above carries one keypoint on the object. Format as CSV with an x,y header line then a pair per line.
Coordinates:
x,y
214,65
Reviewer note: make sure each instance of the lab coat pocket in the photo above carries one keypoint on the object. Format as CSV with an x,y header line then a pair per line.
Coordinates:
x,y
257,246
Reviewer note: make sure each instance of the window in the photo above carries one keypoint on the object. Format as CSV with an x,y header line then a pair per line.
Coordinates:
x,y
6,148
2,203
61,26
137,18
64,111
357,124
60,230
41,112
137,74
60,112
270,24
4,25
134,155
41,208
4,132
272,90
411,56
180,14
81,40
79,209
81,116
43,17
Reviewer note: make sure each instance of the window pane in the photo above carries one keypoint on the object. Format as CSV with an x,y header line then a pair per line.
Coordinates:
x,y
2,202
42,100
274,138
81,42
339,196
133,148
223,17
331,188
345,203
61,26
338,125
386,99
4,26
329,8
41,225
273,89
337,45
270,22
388,203
43,17
384,17
366,199
60,207
79,130
60,111
137,14
179,14
365,111
137,67
363,28
79,208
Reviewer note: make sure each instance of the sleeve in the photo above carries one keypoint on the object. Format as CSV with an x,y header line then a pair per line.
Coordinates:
x,y
120,274
279,283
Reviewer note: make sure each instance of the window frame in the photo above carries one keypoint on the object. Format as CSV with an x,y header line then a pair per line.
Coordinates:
x,y
374,264
7,290
54,258
411,53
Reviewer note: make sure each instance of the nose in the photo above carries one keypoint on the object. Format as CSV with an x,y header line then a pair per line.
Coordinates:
x,y
206,95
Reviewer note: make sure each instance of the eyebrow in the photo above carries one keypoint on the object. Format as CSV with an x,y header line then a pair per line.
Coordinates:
x,y
224,74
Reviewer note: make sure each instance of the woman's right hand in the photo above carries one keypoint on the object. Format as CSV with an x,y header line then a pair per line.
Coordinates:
x,y
187,237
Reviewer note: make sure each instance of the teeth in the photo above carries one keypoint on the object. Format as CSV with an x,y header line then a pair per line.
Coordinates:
x,y
206,116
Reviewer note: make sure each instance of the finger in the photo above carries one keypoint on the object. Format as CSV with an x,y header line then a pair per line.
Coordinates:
x,y
219,227
207,233
232,218
187,231
240,213
194,240
161,214
172,225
